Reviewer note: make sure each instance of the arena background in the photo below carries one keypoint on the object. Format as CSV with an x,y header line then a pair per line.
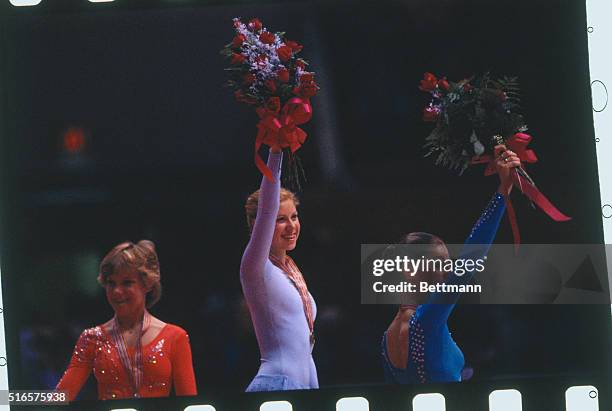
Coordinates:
x,y
168,157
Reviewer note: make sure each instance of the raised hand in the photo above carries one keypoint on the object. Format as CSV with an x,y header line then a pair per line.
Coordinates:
x,y
505,161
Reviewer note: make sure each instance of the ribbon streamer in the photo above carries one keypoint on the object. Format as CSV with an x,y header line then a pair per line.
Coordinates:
x,y
280,128
539,199
518,143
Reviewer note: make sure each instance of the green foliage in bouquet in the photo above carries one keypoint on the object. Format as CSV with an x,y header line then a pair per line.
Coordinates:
x,y
468,114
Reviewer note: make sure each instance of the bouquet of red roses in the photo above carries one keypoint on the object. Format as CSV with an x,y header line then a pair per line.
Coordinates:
x,y
468,114
474,115
266,73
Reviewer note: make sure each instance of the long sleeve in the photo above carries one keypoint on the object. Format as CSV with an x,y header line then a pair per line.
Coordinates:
x,y
439,305
183,377
80,365
257,251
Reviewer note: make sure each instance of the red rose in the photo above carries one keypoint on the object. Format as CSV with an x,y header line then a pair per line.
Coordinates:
x,y
248,79
295,47
284,53
430,113
306,78
309,89
300,63
271,85
255,25
238,40
306,90
273,104
443,84
267,38
238,58
283,75
428,83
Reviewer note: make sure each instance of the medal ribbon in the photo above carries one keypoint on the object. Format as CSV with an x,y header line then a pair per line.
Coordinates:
x,y
134,370
295,275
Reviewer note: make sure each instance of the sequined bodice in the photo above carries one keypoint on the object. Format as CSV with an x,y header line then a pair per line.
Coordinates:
x,y
95,351
433,355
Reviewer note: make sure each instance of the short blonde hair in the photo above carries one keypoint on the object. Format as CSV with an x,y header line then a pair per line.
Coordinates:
x,y
253,200
140,257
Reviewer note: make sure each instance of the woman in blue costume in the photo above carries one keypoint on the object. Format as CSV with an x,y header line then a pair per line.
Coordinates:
x,y
418,347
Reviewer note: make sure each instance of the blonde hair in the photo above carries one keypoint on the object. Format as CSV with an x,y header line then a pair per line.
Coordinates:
x,y
140,257
253,200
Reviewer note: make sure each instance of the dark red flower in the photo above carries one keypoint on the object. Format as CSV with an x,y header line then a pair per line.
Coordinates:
x,y
428,83
306,90
300,63
261,58
283,75
238,40
430,113
255,25
273,104
309,89
492,98
294,46
267,38
238,58
248,79
443,84
271,85
306,78
284,53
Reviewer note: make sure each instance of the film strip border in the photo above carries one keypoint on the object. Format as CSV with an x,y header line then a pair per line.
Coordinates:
x,y
534,394
599,32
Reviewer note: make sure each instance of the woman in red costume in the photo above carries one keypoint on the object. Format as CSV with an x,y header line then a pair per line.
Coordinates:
x,y
134,354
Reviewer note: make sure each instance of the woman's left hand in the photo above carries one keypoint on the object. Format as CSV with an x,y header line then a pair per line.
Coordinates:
x,y
505,161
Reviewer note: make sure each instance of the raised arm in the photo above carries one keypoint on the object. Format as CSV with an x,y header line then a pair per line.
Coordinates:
x,y
440,305
80,365
257,251
484,231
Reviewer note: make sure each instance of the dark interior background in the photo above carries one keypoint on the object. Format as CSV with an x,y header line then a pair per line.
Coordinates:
x,y
168,157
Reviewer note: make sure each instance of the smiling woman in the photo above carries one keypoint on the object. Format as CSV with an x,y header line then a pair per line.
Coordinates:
x,y
134,354
282,309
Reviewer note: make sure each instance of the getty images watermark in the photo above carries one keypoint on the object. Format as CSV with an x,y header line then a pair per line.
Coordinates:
x,y
483,274
429,270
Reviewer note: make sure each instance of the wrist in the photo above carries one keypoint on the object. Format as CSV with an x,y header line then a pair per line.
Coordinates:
x,y
504,189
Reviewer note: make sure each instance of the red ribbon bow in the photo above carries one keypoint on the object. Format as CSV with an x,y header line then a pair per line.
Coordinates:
x,y
280,127
518,143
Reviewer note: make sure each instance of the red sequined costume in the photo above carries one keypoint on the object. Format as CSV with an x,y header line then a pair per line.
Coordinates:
x,y
166,362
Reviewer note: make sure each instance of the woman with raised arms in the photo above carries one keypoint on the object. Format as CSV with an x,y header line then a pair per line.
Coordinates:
x,y
418,347
282,309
